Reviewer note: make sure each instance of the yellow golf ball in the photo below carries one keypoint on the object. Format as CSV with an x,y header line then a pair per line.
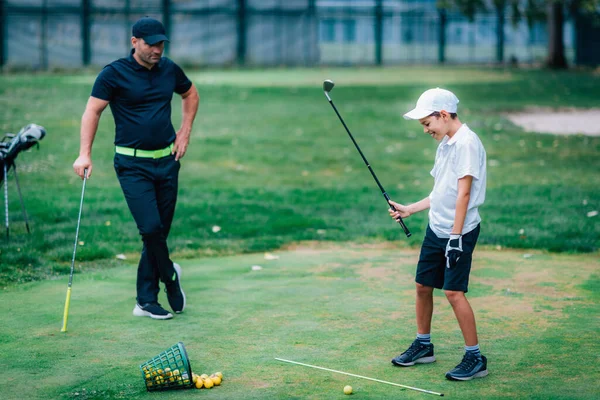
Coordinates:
x,y
215,379
347,389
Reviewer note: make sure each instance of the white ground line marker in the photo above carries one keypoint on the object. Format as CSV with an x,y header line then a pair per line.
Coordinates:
x,y
359,376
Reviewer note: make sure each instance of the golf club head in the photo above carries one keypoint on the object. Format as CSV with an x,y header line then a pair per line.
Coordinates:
x,y
328,85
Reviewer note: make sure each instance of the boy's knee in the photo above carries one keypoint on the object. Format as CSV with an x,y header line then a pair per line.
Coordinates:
x,y
454,296
423,291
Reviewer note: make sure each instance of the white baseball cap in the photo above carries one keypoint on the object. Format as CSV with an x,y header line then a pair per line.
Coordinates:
x,y
433,100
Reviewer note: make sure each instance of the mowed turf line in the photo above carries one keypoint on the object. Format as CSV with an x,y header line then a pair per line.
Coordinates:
x,y
349,308
270,163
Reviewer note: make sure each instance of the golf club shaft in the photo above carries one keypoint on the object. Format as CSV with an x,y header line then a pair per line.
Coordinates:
x,y
21,197
387,197
362,377
6,200
68,300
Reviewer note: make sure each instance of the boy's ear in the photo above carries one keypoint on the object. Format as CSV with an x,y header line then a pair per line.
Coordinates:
x,y
445,115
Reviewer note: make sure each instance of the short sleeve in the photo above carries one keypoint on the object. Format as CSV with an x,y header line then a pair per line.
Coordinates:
x,y
105,84
468,155
182,83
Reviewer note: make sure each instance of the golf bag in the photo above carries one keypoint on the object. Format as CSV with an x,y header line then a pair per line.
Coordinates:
x,y
11,145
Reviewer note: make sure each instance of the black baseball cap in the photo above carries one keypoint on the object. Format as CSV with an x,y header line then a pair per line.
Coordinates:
x,y
149,29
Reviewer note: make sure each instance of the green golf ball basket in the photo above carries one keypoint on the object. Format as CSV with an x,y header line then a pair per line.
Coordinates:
x,y
169,370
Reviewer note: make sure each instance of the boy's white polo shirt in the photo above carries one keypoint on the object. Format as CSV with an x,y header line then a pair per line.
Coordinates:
x,y
457,157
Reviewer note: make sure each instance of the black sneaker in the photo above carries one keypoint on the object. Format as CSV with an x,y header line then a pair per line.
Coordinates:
x,y
470,367
417,353
152,310
175,294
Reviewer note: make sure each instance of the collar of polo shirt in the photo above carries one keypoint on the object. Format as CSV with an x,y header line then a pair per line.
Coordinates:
x,y
460,132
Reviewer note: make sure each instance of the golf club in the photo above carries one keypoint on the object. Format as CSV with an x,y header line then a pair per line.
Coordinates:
x,y
21,197
68,301
360,376
327,87
6,200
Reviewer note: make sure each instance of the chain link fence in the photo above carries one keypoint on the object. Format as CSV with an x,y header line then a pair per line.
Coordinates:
x,y
71,34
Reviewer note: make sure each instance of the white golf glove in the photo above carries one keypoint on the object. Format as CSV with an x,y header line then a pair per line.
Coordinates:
x,y
453,250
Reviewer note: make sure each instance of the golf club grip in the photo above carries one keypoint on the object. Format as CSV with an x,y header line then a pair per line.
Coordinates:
x,y
404,228
66,313
399,219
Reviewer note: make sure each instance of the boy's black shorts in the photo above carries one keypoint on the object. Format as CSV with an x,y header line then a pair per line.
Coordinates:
x,y
431,269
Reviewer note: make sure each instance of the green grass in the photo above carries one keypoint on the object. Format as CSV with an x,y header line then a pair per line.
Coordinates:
x,y
270,163
343,307
272,166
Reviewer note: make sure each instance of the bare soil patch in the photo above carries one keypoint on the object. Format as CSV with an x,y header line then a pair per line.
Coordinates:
x,y
558,122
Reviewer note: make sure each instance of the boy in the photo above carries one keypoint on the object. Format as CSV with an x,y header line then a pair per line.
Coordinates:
x,y
445,261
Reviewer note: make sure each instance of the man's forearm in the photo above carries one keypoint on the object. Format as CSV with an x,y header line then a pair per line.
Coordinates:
x,y
190,108
89,126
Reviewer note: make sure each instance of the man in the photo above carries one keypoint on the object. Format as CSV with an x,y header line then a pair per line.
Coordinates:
x,y
139,90
445,261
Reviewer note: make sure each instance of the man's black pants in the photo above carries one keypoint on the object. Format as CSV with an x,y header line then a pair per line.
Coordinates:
x,y
150,188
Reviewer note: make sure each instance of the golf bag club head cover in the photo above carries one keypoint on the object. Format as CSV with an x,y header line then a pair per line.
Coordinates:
x,y
27,137
11,144
30,135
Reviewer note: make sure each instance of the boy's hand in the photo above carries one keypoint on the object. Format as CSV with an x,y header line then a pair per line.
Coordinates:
x,y
400,210
453,250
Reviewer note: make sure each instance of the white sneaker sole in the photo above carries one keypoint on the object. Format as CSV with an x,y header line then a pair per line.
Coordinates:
x,y
480,374
422,360
138,312
178,270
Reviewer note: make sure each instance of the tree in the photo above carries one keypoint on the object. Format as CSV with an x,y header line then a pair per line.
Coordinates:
x,y
556,44
553,11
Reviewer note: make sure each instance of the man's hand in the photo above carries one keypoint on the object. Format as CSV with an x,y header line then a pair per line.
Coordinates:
x,y
453,250
81,164
401,210
181,143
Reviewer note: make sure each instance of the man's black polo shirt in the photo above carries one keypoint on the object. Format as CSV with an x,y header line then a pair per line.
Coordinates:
x,y
140,100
